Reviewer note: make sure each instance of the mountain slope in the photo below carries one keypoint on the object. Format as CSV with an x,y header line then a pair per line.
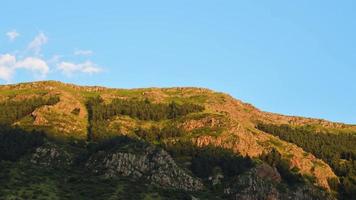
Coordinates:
x,y
224,122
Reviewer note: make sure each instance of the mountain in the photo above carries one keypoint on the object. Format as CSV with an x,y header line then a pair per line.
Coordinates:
x,y
63,141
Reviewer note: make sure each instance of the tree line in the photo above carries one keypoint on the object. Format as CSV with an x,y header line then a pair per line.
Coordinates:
x,y
290,176
157,134
99,113
13,110
140,109
14,141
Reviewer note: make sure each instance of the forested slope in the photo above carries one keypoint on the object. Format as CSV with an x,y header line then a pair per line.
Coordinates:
x,y
216,146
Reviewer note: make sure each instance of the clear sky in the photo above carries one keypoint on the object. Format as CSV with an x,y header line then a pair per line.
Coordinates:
x,y
289,57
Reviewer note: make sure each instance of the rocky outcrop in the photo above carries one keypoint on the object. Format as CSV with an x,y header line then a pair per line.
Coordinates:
x,y
204,122
61,119
51,155
243,138
267,172
264,183
247,143
151,164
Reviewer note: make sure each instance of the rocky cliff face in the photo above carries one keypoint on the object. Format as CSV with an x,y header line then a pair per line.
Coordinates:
x,y
154,166
52,155
150,164
263,183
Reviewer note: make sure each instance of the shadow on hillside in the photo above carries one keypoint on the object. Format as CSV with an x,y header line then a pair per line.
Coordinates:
x,y
15,142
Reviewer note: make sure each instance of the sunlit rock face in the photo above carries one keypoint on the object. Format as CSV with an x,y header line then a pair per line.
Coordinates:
x,y
263,182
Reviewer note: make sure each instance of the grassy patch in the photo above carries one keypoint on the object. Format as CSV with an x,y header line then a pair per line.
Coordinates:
x,y
276,143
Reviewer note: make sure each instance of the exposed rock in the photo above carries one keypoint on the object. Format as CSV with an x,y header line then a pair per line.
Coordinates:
x,y
208,121
242,137
39,119
51,155
254,185
60,118
267,172
152,164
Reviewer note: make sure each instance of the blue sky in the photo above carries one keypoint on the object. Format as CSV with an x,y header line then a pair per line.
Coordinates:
x,y
290,57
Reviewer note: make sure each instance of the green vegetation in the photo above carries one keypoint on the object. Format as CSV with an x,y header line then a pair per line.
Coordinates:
x,y
143,110
117,143
61,170
20,179
155,134
290,177
24,181
12,110
100,112
338,150
203,160
15,142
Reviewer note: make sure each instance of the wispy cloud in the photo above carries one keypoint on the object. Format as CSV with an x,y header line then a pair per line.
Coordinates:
x,y
12,35
9,64
37,43
31,60
54,59
69,69
83,52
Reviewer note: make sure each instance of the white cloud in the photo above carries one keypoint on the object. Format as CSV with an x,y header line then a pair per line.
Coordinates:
x,y
7,62
35,65
9,65
87,67
83,52
12,35
32,61
37,43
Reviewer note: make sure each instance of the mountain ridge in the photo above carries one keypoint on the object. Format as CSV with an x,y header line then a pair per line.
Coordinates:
x,y
225,122
97,87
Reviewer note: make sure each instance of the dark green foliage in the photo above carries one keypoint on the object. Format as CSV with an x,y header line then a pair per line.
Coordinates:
x,y
334,184
76,111
100,112
26,181
20,178
112,144
143,110
156,134
328,146
15,142
274,158
205,159
117,143
338,150
13,110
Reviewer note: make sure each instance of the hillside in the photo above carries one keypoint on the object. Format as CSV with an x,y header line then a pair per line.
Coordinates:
x,y
175,142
